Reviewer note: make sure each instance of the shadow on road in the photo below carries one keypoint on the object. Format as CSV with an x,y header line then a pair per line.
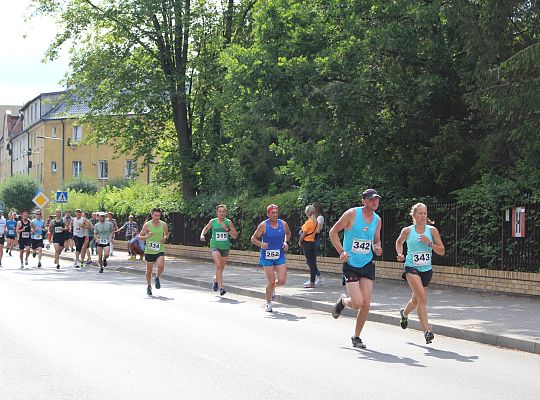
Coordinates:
x,y
286,316
445,355
226,300
373,355
162,298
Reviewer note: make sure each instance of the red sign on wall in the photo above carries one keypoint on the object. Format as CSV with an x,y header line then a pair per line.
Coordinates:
x,y
518,222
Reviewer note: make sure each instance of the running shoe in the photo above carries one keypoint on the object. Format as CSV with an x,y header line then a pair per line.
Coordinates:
x,y
306,283
76,266
47,246
222,292
404,320
429,336
82,264
39,265
34,254
101,270
149,290
215,286
309,285
10,253
357,342
58,266
338,308
105,262
158,283
268,307
22,265
26,261
319,281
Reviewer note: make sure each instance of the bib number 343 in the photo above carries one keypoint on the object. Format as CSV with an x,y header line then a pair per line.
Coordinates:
x,y
361,246
421,258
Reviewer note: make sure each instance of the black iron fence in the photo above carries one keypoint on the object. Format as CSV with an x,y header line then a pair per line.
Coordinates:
x,y
473,238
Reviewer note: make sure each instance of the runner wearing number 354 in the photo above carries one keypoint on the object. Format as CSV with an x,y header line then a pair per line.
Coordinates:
x,y
272,236
156,233
362,238
422,240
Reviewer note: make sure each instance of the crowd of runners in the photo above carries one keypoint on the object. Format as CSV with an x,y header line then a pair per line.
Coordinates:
x,y
361,241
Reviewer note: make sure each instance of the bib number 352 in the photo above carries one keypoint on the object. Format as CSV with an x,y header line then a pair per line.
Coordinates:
x,y
272,254
361,246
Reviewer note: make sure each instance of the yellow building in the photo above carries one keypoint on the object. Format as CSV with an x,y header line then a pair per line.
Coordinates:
x,y
51,147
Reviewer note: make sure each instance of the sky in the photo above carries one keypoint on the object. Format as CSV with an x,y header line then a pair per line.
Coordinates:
x,y
23,74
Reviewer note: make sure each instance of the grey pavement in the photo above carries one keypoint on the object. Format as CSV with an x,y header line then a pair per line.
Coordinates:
x,y
497,319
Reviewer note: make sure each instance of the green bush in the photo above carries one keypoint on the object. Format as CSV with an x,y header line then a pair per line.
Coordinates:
x,y
81,184
18,191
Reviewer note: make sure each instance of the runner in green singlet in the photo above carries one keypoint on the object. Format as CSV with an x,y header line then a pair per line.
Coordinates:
x,y
156,233
220,244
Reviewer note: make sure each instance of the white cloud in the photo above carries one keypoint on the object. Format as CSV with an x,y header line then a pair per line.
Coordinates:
x,y
23,75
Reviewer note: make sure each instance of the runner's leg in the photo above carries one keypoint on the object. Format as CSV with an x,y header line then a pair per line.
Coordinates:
x,y
420,294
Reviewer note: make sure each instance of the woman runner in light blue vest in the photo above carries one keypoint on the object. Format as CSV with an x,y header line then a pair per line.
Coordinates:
x,y
422,239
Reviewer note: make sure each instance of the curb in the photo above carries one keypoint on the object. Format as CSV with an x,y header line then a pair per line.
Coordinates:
x,y
502,341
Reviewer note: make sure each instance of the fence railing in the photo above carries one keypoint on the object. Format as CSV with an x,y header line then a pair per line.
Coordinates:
x,y
471,240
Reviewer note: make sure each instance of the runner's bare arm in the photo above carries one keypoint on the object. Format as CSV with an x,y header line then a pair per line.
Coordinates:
x,y
256,237
344,222
205,230
437,246
232,231
402,238
377,248
144,232
165,233
287,235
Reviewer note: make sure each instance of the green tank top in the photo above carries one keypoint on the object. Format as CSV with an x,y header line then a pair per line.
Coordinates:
x,y
220,237
153,243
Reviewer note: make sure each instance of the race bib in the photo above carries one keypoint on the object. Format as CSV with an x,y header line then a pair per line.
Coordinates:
x,y
78,232
1,235
103,241
421,258
222,236
58,229
37,236
272,254
25,235
11,232
153,246
361,246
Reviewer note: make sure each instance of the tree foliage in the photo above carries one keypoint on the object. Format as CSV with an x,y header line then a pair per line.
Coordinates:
x,y
18,191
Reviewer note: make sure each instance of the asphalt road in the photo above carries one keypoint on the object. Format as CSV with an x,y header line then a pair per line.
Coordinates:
x,y
77,334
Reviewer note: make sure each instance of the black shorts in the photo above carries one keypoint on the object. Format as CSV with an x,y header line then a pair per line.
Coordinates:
x,y
103,245
79,242
59,239
153,257
352,274
425,276
68,236
37,243
222,253
11,237
2,239
24,243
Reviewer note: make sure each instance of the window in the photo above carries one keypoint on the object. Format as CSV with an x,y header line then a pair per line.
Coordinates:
x,y
130,168
53,131
103,169
77,134
53,166
77,168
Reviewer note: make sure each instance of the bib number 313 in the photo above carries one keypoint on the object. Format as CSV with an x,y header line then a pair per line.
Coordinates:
x,y
361,246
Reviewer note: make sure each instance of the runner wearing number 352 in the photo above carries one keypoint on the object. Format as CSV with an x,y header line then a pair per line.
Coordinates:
x,y
156,233
272,236
362,238
422,240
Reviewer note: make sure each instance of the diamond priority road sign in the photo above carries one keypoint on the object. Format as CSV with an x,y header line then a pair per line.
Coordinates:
x,y
40,200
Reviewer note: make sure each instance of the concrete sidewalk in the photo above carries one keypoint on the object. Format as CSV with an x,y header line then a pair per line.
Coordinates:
x,y
497,319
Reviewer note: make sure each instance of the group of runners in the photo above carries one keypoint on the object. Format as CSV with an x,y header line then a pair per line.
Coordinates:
x,y
361,241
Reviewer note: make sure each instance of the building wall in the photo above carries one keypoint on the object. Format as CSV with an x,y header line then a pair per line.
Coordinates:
x,y
45,152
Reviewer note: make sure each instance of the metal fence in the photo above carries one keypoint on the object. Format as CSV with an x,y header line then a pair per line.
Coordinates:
x,y
475,238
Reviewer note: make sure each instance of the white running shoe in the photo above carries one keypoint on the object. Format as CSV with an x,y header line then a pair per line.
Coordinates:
x,y
268,307
319,281
307,282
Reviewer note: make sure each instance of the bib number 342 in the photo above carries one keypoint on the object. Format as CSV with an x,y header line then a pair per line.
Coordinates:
x,y
361,246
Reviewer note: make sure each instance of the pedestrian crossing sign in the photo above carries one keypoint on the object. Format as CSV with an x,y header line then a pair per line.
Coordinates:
x,y
61,197
40,200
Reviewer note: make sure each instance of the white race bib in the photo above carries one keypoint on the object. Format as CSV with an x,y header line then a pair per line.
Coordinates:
x,y
37,236
58,229
361,246
153,246
78,232
222,236
272,254
1,235
103,241
11,232
421,258
25,235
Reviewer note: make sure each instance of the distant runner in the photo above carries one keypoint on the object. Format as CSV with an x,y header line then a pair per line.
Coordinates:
x,y
103,232
25,241
58,228
38,231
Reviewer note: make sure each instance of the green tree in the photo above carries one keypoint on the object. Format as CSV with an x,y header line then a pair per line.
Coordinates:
x,y
18,191
81,184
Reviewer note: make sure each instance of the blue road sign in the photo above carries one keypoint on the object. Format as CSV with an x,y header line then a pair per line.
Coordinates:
x,y
61,197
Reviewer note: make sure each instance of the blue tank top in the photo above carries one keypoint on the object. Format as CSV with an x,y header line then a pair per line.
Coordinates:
x,y
38,234
358,240
275,239
10,227
418,253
